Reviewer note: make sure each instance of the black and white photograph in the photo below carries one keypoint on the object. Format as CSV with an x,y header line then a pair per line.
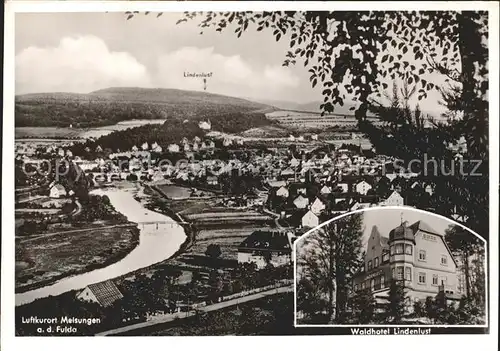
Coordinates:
x,y
389,266
187,172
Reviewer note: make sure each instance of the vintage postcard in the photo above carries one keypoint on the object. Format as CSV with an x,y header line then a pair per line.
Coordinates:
x,y
224,168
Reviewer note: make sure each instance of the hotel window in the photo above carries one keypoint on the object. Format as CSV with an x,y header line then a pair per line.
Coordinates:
x,y
392,250
443,281
356,287
370,264
408,274
400,273
372,285
382,281
444,260
434,279
363,286
385,257
408,249
421,278
421,255
399,249
375,263
393,273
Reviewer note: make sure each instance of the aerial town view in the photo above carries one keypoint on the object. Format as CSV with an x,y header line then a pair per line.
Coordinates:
x,y
161,181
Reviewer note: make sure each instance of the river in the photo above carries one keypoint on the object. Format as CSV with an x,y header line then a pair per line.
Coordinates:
x,y
155,245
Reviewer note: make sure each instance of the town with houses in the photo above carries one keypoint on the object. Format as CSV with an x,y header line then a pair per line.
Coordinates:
x,y
261,194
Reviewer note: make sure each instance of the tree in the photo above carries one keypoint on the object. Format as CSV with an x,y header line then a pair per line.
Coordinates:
x,y
418,308
465,246
395,308
363,307
329,257
213,251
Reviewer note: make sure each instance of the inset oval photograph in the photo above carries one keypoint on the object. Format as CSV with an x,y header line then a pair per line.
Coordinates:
x,y
390,266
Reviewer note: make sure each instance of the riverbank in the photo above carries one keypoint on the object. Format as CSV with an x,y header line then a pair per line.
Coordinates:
x,y
119,253
160,237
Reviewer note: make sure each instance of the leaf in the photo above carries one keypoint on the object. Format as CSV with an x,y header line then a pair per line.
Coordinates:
x,y
278,37
129,17
421,71
384,58
314,82
159,14
405,50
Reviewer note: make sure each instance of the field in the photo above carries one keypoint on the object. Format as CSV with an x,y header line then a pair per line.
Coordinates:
x,y
310,120
47,132
47,258
176,192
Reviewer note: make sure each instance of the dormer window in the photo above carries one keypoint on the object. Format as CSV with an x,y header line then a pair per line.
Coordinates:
x,y
385,257
370,264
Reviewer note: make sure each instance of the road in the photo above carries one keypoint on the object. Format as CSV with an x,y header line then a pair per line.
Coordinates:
x,y
209,308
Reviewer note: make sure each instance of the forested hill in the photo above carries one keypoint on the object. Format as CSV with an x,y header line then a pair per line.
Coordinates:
x,y
113,105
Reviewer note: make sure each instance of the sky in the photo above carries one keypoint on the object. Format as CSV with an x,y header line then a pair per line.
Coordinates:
x,y
84,52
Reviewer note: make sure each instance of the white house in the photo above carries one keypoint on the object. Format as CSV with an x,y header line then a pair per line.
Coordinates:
x,y
212,180
301,202
103,293
428,189
276,183
282,192
310,220
314,137
325,190
205,125
395,199
294,162
174,148
227,142
291,138
287,172
317,206
363,187
57,191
